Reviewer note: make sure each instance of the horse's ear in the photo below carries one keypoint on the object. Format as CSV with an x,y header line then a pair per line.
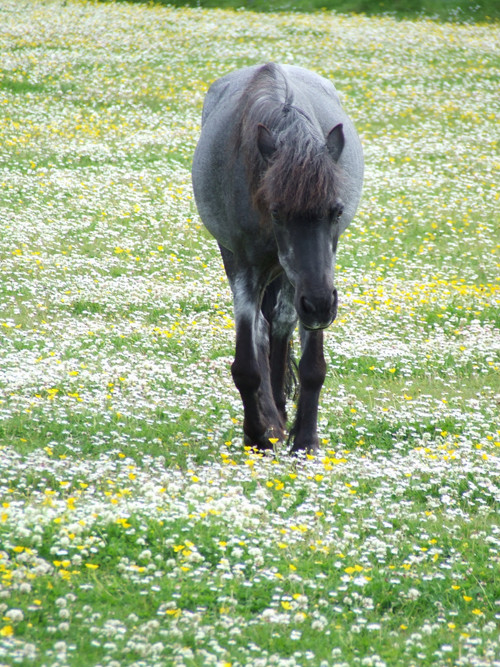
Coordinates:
x,y
265,142
335,142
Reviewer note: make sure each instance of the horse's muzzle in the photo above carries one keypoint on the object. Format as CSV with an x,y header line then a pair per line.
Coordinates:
x,y
317,312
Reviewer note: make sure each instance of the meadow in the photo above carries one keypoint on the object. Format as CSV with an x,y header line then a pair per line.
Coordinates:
x,y
462,11
135,527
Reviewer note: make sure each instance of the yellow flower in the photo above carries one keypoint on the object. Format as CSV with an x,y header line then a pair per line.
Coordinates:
x,y
174,612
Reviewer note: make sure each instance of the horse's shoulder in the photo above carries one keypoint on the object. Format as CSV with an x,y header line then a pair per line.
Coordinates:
x,y
213,96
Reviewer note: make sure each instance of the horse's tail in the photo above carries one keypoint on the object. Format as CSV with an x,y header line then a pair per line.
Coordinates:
x,y
269,303
291,375
270,298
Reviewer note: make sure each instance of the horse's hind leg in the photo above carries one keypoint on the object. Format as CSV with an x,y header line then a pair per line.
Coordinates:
x,y
282,317
312,372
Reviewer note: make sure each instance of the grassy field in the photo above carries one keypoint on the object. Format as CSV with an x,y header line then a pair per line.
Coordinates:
x,y
463,11
135,529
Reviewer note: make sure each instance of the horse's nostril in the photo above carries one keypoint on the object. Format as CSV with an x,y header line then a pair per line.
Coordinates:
x,y
307,307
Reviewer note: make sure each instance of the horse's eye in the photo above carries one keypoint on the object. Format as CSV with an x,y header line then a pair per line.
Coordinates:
x,y
337,211
275,216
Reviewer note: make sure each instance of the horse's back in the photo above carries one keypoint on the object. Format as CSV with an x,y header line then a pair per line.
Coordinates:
x,y
225,93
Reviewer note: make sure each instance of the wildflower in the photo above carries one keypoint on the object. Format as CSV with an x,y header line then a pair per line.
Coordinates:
x,y
6,631
14,615
413,594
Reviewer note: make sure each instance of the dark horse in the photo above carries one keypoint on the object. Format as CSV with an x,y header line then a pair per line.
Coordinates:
x,y
277,177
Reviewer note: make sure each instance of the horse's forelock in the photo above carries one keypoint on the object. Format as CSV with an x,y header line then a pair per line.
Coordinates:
x,y
301,178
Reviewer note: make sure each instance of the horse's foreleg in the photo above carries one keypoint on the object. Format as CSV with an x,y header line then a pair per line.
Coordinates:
x,y
247,378
312,372
251,375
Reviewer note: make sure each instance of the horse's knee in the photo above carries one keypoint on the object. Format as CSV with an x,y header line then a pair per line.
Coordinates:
x,y
246,375
312,375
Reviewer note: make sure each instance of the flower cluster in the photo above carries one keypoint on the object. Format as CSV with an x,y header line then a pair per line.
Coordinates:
x,y
133,521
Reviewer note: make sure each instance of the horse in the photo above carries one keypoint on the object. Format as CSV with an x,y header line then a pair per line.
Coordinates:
x,y
277,176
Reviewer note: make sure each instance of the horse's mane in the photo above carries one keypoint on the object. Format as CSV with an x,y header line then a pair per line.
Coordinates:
x,y
300,178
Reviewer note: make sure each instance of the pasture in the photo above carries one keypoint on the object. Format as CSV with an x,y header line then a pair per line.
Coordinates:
x,y
135,528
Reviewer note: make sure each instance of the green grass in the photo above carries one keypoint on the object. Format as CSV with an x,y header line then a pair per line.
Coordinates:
x,y
135,527
444,10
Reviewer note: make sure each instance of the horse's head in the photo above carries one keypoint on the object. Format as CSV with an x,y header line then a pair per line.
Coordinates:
x,y
300,189
306,250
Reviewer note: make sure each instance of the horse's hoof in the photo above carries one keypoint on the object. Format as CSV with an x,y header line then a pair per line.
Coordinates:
x,y
308,447
267,441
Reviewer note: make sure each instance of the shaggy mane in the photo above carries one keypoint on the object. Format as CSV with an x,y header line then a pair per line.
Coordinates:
x,y
301,177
